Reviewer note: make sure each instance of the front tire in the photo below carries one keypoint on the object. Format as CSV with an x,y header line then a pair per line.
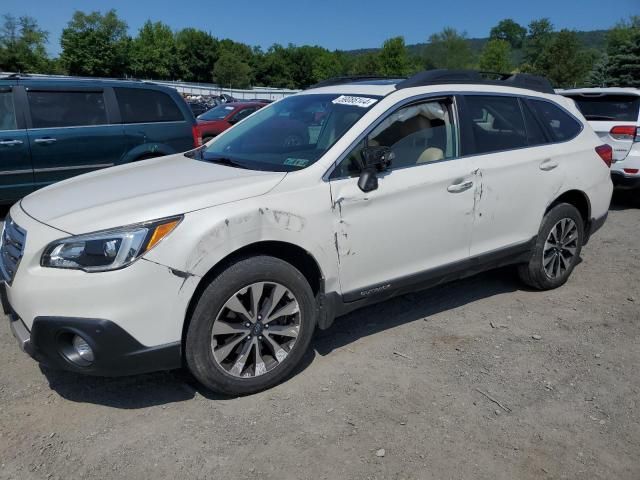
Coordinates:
x,y
557,249
251,326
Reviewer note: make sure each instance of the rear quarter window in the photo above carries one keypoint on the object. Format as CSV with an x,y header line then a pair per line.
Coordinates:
x,y
7,111
139,105
559,124
608,107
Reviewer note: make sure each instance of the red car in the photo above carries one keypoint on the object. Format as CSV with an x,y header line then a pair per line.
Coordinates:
x,y
218,119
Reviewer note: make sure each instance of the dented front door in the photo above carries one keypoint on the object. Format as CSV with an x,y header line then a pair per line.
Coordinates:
x,y
419,218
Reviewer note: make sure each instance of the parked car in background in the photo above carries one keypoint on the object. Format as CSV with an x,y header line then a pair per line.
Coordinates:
x,y
215,121
614,113
54,128
226,258
198,108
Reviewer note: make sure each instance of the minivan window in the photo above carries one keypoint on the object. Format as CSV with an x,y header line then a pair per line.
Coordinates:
x,y
290,134
624,108
139,105
51,109
497,123
561,125
7,111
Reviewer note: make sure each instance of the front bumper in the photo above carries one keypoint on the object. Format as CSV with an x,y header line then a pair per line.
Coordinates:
x,y
116,352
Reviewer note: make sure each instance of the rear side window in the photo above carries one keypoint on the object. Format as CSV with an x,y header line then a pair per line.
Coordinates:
x,y
497,123
560,125
535,132
609,107
51,109
138,105
7,111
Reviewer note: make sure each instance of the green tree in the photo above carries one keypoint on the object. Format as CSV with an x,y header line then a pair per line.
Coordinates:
x,y
231,71
509,31
153,52
564,61
394,59
624,65
327,65
448,49
196,53
496,56
95,45
22,46
539,36
274,68
365,64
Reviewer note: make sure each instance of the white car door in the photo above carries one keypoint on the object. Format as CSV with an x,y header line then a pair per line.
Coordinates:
x,y
522,165
420,216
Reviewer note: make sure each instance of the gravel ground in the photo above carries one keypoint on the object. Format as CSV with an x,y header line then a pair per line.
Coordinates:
x,y
477,379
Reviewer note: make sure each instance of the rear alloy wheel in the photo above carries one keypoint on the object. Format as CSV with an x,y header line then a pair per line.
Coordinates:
x,y
251,326
557,248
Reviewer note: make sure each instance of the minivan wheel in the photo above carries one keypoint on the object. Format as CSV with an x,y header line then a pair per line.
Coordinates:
x,y
557,248
251,326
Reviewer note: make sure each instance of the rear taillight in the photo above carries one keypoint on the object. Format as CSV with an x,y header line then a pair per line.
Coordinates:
x,y
632,171
197,136
625,132
606,153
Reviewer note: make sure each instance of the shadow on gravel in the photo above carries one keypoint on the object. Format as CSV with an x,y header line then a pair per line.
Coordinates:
x,y
625,200
415,306
153,389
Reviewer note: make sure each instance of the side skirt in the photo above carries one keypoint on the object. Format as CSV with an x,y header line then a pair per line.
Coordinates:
x,y
335,305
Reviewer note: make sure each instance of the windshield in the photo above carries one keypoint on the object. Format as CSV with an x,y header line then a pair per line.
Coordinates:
x,y
290,134
217,113
609,107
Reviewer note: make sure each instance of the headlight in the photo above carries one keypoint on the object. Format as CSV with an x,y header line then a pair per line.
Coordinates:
x,y
108,249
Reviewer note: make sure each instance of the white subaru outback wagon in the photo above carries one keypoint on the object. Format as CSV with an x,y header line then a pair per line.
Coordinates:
x,y
225,259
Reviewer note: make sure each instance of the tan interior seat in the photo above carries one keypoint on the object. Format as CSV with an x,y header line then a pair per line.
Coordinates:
x,y
431,154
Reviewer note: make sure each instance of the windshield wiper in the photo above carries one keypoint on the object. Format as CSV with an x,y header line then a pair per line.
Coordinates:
x,y
226,161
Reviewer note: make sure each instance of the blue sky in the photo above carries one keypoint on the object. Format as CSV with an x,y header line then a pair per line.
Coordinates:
x,y
332,24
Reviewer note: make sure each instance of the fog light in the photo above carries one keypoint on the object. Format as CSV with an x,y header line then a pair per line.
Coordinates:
x,y
82,348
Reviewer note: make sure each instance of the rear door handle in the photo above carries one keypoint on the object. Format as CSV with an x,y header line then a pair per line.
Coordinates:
x,y
45,140
460,187
10,143
548,165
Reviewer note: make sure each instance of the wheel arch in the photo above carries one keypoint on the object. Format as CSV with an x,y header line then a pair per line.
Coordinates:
x,y
293,254
578,199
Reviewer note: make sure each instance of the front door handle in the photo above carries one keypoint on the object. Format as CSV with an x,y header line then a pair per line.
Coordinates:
x,y
10,143
460,187
548,165
45,141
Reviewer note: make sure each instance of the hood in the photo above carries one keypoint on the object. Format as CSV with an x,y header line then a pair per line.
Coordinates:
x,y
143,191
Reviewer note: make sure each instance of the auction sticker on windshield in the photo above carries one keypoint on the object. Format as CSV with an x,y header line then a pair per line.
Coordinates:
x,y
363,102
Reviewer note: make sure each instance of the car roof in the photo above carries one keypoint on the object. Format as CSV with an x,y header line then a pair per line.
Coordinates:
x,y
601,90
82,81
244,104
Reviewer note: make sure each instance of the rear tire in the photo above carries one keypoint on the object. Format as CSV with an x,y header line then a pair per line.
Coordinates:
x,y
251,326
557,249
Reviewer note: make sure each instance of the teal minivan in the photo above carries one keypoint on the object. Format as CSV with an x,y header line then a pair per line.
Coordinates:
x,y
53,128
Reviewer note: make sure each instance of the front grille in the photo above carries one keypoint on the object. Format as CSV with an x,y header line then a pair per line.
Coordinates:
x,y
11,249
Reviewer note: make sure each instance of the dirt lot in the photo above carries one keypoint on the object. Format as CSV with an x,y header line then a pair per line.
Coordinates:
x,y
404,376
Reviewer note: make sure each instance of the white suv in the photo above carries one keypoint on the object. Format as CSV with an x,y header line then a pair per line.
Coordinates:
x,y
614,113
226,258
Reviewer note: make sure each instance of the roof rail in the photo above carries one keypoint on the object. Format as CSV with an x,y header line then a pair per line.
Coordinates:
x,y
438,77
351,79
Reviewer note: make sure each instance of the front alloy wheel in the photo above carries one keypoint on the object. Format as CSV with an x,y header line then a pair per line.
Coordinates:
x,y
251,326
560,248
256,329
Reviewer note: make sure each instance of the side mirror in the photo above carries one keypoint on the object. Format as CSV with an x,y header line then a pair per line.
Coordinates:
x,y
374,160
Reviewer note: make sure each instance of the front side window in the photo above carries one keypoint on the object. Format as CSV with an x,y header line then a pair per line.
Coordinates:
x,y
497,123
608,108
54,109
7,111
139,105
290,134
417,134
560,125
